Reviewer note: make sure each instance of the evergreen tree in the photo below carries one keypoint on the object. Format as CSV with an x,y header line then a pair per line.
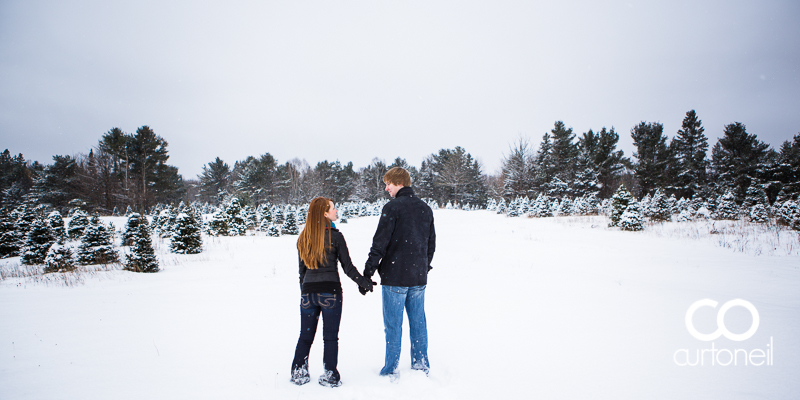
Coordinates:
x,y
59,258
37,243
96,246
78,223
619,203
132,228
518,170
273,230
290,225
128,211
235,219
25,220
652,153
57,227
564,151
142,257
631,220
10,240
659,209
280,216
607,162
726,207
218,225
690,146
565,207
789,214
736,157
187,237
758,213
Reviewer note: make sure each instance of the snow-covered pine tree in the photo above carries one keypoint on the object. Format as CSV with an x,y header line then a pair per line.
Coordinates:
x,y
580,206
644,204
78,223
37,243
565,207
218,224
187,237
60,258
166,222
684,216
554,206
789,214
726,207
755,195
302,213
274,230
758,213
142,257
57,227
448,206
265,217
659,209
491,204
26,217
703,212
672,204
501,206
619,203
96,245
10,241
236,223
249,216
523,206
115,212
290,225
513,208
631,220
132,228
128,211
280,215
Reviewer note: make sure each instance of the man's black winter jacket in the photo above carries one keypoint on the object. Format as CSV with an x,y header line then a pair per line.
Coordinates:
x,y
325,279
403,245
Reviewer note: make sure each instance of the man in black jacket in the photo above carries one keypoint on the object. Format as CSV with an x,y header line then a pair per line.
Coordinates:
x,y
401,252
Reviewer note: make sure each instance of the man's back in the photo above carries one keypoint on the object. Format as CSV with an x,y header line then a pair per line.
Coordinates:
x,y
404,243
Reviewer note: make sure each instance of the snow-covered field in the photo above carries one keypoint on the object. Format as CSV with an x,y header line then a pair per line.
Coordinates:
x,y
517,308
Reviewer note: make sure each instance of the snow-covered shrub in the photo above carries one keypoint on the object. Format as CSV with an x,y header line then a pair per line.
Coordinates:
x,y
631,220
96,245
142,257
78,223
37,243
187,237
726,207
290,225
758,213
59,258
619,203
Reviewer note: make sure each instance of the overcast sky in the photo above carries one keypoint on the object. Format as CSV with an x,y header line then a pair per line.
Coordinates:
x,y
353,80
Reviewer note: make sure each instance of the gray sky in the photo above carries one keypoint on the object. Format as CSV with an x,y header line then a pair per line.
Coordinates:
x,y
353,80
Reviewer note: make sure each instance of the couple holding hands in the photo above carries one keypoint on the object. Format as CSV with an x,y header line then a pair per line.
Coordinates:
x,y
401,253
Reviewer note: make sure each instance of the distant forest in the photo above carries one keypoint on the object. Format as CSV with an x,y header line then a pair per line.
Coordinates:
x,y
131,169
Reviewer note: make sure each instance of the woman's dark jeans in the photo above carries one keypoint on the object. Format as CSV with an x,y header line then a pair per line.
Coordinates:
x,y
311,306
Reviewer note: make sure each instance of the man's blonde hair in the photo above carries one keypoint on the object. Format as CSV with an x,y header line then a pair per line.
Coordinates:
x,y
397,176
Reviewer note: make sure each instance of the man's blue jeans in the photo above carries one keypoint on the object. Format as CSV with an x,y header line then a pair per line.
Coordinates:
x,y
395,299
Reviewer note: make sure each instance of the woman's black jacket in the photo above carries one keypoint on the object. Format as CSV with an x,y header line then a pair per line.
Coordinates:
x,y
325,278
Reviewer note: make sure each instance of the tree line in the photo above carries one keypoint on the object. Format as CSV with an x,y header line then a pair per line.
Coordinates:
x,y
130,170
739,162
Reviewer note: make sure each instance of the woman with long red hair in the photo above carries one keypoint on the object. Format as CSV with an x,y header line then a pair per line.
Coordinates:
x,y
320,247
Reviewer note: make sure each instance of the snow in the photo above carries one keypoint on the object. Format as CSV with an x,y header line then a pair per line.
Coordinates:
x,y
555,308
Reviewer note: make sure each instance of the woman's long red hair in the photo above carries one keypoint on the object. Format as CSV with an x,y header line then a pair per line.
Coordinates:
x,y
311,244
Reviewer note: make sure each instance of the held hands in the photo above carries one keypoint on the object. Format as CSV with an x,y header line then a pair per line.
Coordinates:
x,y
365,285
